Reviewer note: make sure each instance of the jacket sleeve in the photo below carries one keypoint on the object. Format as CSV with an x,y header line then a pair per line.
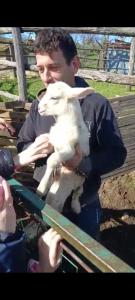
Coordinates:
x,y
7,166
27,133
107,149
13,253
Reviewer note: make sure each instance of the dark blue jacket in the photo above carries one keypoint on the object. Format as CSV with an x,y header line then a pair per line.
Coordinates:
x,y
13,252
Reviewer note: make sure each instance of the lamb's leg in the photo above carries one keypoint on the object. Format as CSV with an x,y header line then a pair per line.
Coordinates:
x,y
55,197
60,190
75,204
45,181
55,159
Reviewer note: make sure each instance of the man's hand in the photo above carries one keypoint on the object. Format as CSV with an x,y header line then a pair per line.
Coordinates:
x,y
50,251
43,142
39,149
75,161
6,127
7,212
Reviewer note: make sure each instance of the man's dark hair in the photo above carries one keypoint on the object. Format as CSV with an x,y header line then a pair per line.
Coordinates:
x,y
49,40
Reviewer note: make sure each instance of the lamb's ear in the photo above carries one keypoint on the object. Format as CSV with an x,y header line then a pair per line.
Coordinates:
x,y
79,93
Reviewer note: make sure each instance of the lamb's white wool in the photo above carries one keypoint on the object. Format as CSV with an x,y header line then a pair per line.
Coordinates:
x,y
61,101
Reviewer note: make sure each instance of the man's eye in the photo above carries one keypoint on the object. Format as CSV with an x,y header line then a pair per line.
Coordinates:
x,y
54,68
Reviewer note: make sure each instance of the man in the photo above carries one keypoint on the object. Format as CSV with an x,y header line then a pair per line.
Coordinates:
x,y
57,60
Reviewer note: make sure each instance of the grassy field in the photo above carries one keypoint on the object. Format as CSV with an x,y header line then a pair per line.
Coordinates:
x,y
34,85
110,90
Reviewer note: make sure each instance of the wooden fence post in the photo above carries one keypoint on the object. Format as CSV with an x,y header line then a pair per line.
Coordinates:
x,y
17,40
131,59
12,58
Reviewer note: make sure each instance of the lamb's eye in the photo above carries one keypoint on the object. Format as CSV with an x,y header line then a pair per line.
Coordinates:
x,y
54,98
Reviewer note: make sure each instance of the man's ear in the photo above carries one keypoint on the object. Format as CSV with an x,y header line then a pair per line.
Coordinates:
x,y
79,93
75,64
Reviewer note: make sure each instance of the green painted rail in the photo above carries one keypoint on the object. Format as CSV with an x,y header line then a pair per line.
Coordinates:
x,y
94,252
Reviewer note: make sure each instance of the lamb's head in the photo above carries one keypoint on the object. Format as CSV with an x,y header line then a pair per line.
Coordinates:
x,y
55,100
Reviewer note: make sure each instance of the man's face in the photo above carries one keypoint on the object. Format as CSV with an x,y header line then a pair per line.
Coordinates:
x,y
54,68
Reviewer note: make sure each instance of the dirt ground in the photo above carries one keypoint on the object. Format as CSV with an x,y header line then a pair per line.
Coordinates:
x,y
118,220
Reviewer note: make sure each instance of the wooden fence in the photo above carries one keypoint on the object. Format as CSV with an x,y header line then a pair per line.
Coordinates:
x,y
20,66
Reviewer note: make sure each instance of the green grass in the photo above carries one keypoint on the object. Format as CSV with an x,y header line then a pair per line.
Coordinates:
x,y
89,60
11,86
111,90
108,90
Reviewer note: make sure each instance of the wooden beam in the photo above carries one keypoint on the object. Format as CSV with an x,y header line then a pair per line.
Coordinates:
x,y
19,63
123,31
88,74
5,30
12,57
6,41
8,95
132,57
8,63
107,77
12,64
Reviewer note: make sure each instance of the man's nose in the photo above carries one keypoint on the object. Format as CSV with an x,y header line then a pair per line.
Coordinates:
x,y
46,76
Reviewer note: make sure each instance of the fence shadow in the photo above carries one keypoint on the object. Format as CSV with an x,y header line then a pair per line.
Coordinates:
x,y
119,238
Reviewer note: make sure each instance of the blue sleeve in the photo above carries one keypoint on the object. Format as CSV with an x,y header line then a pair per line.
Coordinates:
x,y
27,133
13,253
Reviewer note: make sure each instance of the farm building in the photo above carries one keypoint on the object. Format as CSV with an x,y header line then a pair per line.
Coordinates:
x,y
117,57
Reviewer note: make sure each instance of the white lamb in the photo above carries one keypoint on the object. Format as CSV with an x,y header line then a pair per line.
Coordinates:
x,y
61,101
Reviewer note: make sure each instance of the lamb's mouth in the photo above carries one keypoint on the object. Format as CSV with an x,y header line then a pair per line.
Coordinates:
x,y
41,111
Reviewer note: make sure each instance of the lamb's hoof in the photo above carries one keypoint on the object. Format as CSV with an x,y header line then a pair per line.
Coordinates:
x,y
40,192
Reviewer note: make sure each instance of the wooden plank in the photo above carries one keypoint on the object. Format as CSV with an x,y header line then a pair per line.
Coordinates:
x,y
106,76
124,109
88,74
123,31
125,114
11,51
126,121
9,95
122,98
126,130
19,63
118,173
132,57
13,115
128,144
11,105
12,64
127,106
129,166
130,152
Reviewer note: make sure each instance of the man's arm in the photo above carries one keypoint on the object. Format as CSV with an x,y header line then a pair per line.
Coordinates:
x,y
108,151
